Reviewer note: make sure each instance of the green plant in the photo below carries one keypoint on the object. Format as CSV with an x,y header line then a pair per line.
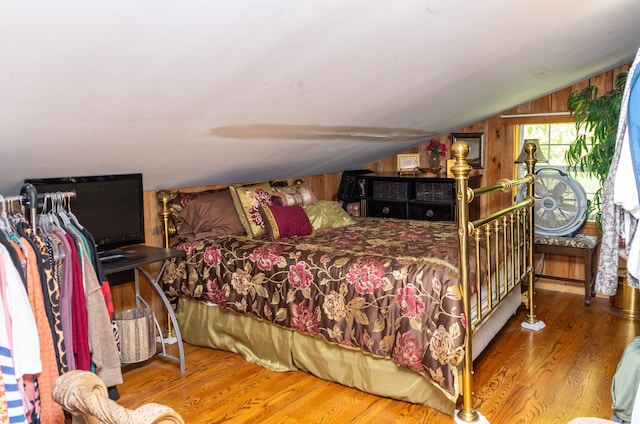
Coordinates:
x,y
597,124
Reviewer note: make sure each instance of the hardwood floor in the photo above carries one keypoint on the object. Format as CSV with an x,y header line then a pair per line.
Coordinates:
x,y
523,376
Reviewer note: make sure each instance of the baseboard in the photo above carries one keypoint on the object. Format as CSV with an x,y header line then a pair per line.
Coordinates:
x,y
564,287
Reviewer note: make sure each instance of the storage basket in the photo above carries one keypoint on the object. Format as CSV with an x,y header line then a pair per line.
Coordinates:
x,y
137,333
390,190
435,192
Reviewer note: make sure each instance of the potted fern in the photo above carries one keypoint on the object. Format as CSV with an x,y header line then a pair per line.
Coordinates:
x,y
597,124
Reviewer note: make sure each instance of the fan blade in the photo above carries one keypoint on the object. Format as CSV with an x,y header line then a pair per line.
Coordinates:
x,y
540,189
559,189
568,207
561,216
547,218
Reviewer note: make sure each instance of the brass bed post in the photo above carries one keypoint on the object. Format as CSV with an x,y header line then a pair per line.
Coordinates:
x,y
165,213
464,195
167,231
532,321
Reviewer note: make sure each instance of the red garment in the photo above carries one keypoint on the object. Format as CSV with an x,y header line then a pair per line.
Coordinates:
x,y
106,293
81,352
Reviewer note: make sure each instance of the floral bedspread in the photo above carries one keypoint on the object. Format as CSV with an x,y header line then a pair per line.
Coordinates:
x,y
388,287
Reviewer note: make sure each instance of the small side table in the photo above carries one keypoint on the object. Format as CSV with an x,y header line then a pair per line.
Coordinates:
x,y
136,258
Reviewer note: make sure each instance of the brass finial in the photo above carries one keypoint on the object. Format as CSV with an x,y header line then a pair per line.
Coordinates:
x,y
460,150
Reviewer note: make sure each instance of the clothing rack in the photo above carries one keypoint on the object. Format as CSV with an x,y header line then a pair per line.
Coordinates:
x,y
29,197
53,255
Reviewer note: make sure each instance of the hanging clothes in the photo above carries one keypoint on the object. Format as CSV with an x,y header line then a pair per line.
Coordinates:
x,y
620,211
25,348
52,294
11,406
626,195
51,412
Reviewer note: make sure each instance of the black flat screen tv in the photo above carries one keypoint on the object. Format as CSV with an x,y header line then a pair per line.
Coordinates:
x,y
110,207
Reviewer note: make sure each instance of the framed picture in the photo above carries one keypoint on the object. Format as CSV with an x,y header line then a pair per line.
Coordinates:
x,y
475,141
408,163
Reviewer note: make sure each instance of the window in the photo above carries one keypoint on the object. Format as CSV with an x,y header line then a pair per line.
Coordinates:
x,y
554,140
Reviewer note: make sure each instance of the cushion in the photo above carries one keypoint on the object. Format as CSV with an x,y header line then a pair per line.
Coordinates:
x,y
285,221
298,194
210,215
178,200
327,214
580,241
247,201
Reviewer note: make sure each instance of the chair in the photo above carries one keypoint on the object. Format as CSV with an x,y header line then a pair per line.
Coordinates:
x,y
84,396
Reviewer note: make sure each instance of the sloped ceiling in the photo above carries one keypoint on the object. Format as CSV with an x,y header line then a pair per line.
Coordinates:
x,y
198,92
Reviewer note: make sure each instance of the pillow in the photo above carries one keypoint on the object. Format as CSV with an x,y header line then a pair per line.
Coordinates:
x,y
285,221
299,194
177,201
327,214
247,201
209,215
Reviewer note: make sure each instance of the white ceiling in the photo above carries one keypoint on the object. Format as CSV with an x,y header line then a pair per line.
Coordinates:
x,y
199,92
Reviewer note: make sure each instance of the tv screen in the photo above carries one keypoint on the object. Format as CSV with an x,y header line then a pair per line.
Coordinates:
x,y
110,207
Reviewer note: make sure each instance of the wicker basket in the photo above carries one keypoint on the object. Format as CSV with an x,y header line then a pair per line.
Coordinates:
x,y
137,333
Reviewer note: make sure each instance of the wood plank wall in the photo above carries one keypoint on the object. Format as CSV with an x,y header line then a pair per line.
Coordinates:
x,y
499,163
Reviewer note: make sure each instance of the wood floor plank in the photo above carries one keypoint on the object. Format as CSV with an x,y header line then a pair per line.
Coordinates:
x,y
523,376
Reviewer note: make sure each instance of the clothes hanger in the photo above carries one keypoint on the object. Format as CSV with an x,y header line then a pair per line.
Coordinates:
x,y
70,214
10,230
44,221
5,225
58,209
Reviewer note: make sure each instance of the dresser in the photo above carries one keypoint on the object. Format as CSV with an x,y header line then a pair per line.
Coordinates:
x,y
412,197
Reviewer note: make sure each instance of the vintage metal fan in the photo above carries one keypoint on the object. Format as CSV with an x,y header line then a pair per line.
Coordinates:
x,y
561,203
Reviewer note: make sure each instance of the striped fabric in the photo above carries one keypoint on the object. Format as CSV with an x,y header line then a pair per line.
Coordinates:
x,y
12,397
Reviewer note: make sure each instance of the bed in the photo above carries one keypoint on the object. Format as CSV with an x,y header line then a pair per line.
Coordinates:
x,y
396,308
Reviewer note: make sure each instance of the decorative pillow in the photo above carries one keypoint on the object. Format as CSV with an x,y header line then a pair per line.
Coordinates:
x,y
177,201
285,221
299,194
327,214
209,215
247,201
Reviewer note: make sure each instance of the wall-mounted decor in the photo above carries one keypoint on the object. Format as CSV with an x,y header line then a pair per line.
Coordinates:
x,y
408,163
475,141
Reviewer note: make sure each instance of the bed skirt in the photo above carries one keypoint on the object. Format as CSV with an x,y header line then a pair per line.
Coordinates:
x,y
280,349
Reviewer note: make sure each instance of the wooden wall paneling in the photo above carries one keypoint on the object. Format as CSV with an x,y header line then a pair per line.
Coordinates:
x,y
603,81
325,187
559,100
542,105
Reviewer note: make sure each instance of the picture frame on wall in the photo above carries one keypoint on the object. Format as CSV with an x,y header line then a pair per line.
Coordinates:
x,y
408,163
475,141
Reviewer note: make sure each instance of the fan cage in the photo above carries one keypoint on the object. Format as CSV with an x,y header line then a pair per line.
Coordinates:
x,y
560,203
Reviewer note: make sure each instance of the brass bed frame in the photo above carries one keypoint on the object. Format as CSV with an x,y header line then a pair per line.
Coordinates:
x,y
513,224
509,230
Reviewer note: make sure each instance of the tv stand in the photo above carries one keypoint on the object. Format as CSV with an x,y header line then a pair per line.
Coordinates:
x,y
135,259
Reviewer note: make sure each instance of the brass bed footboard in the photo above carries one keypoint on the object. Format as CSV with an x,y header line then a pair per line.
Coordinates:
x,y
507,233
